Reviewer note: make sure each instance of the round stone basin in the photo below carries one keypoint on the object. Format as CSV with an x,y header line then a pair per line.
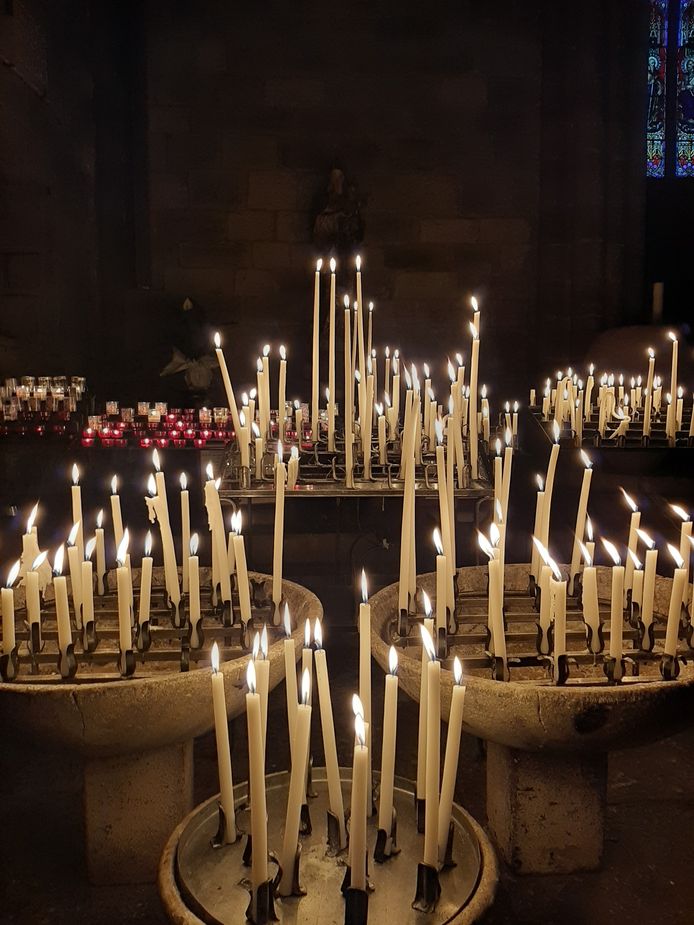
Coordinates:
x,y
136,736
547,745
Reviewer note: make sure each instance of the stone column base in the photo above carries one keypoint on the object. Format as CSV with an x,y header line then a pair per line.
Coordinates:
x,y
132,804
546,809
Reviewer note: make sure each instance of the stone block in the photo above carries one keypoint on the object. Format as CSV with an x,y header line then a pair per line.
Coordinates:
x,y
295,92
220,188
251,225
171,120
504,230
295,227
167,191
420,193
282,190
269,255
255,283
242,148
449,230
212,255
422,285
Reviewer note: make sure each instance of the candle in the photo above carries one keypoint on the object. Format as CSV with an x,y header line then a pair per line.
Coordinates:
x,y
450,762
7,600
423,689
185,530
549,486
396,388
278,541
328,730
221,731
558,598
87,583
123,585
444,507
441,582
241,567
390,721
535,557
146,581
290,676
496,597
581,514
634,525
215,522
368,426
431,819
616,602
360,340
282,392
473,434
75,567
256,761
262,673
407,533
76,493
258,445
62,610
382,458
116,512
331,360
295,798
357,833
33,598
315,353
649,574
673,621
671,426
265,419
293,468
100,554
30,550
158,511
365,663
227,382
589,600
298,420
637,587
685,546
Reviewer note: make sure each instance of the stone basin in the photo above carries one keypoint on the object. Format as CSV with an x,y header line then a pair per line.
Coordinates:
x,y
136,736
546,746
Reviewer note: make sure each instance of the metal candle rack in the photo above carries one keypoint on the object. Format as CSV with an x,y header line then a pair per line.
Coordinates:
x,y
163,647
634,437
469,638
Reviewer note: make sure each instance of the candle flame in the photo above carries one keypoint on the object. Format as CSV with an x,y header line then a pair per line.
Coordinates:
x,y
438,427
294,452
587,558
283,352
58,560
587,461
630,501
209,471
645,538
360,730
259,365
485,545
253,393
508,436
498,447
217,340
307,634
379,408
651,353
297,404
589,529
319,265
266,350
437,541
612,551
672,336
114,485
555,569
427,604
635,559
541,548
184,481
393,660
194,542
151,485
215,657
494,535
675,553
540,482
242,419
364,587
680,392
89,548
32,517
250,676
75,474
427,642
155,460
457,670
371,306
484,391
556,430
263,641
474,332
425,366
148,543
357,706
14,572
217,483
255,429
305,686
386,399
287,621
358,262
333,265
72,535
474,303
38,561
346,301
459,359
680,511
237,522
318,633
255,649
122,551
451,371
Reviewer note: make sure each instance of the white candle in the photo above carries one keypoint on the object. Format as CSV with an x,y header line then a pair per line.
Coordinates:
x,y
241,568
348,397
116,516
360,341
591,607
123,585
227,383
293,469
581,514
33,598
685,545
62,609
278,537
87,580
365,664
30,542
295,798
328,730
262,675
185,530
472,414
671,411
76,493
75,567
156,505
221,732
616,602
558,596
282,392
7,600
535,556
194,582
307,652
390,722
331,360
100,554
315,354
146,581
290,676
382,458
423,699
431,818
634,524
357,832
265,420
256,761
496,604
216,527
679,578
549,486
450,762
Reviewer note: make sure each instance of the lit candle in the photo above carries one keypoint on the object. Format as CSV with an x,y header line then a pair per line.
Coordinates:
x,y
441,582
558,598
146,581
671,411
185,529
450,762
298,421
241,567
396,386
382,458
535,558
227,382
685,546
679,578
637,587
30,542
545,595
472,413
328,730
431,818
75,567
357,832
331,360
262,673
7,600
589,600
158,511
62,609
290,676
116,516
549,486
423,689
194,584
278,540
616,602
648,596
581,514
100,554
406,531
221,732
256,761
634,524
33,598
123,585
282,392
444,507
220,569
496,599
365,660
87,583
76,492
360,340
265,420
315,353
295,798
390,722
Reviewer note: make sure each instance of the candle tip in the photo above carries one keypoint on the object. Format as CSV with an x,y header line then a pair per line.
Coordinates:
x,y
427,642
250,676
357,705
14,572
364,587
89,549
215,657
305,686
148,543
393,660
457,670
58,560
72,536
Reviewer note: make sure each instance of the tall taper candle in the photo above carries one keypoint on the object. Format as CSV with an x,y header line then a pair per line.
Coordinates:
x,y
390,724
450,761
328,729
221,733
256,761
297,793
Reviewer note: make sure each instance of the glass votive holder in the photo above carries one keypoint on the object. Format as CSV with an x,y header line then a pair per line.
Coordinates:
x,y
29,381
153,416
127,415
146,442
205,416
109,442
142,409
162,442
87,441
161,407
179,444
200,443
111,408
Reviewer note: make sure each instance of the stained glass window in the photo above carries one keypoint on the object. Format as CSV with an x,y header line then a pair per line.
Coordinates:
x,y
657,59
684,163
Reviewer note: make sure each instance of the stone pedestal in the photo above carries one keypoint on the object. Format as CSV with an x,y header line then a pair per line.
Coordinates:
x,y
132,803
546,810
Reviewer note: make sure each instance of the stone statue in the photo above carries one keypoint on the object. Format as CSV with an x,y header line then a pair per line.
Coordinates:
x,y
339,225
